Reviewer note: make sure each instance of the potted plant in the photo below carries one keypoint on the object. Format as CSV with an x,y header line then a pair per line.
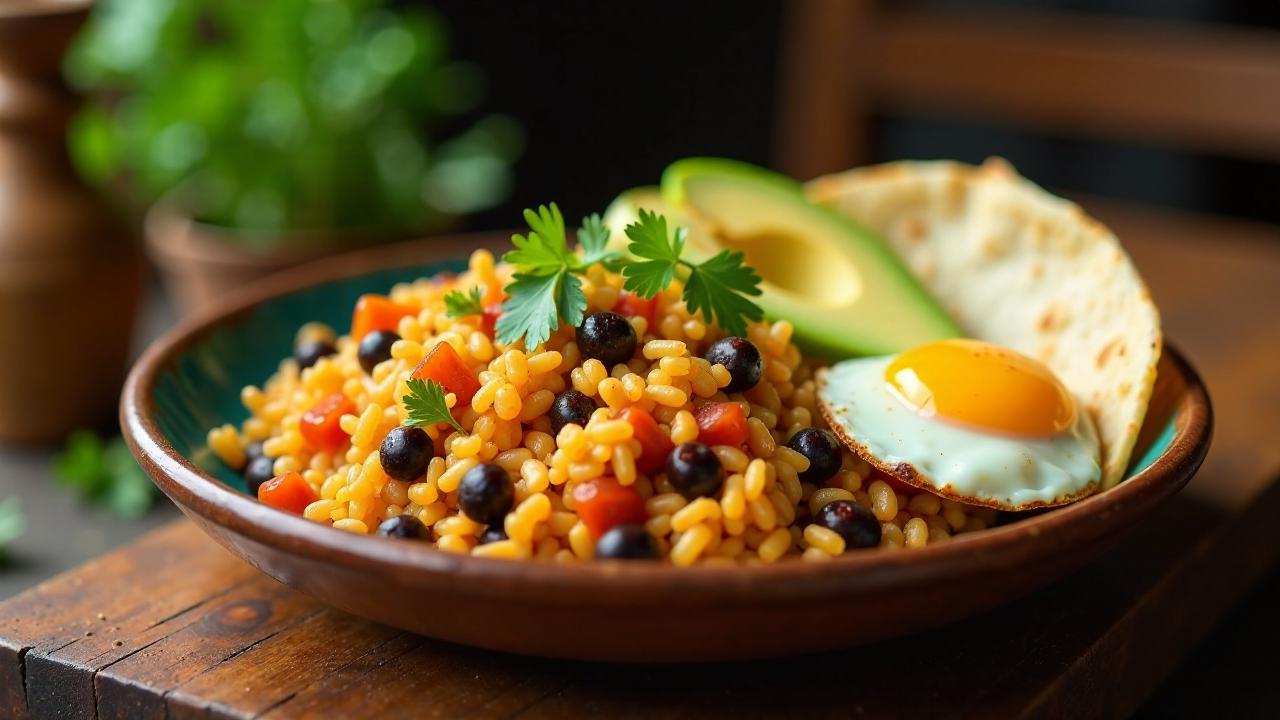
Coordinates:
x,y
264,134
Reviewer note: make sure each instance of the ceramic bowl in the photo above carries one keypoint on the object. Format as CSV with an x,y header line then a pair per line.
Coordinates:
x,y
189,381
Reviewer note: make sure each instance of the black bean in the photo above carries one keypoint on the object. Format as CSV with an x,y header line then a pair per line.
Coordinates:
x,y
405,453
310,351
823,450
405,527
627,542
258,471
694,470
571,406
486,494
374,348
607,337
493,533
741,358
851,521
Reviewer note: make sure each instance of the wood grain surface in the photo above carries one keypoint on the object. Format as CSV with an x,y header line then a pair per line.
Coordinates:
x,y
174,626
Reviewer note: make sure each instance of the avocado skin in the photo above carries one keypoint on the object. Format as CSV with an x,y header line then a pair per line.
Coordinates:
x,y
677,173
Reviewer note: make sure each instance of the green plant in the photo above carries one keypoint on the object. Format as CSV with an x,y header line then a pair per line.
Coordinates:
x,y
286,115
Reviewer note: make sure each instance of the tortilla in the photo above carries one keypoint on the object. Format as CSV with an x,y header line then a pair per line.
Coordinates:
x,y
1019,267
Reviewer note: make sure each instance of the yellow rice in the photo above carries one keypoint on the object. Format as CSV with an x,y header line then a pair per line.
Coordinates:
x,y
761,514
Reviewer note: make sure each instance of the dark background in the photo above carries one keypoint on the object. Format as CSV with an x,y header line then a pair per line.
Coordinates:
x,y
609,93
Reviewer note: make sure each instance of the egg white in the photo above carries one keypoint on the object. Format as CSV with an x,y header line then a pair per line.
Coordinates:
x,y
961,462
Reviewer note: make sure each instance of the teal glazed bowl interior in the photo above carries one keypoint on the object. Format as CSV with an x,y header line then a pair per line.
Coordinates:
x,y
189,381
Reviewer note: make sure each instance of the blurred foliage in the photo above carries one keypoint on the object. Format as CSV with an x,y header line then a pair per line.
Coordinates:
x,y
12,525
104,473
288,114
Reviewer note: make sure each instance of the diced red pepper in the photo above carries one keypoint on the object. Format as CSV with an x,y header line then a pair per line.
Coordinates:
x,y
377,312
444,366
288,492
630,304
320,425
655,445
722,424
489,321
604,502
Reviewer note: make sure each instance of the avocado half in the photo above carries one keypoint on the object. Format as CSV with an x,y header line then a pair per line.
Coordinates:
x,y
838,283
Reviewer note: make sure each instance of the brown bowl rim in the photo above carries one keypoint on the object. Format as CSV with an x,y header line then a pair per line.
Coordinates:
x,y
616,583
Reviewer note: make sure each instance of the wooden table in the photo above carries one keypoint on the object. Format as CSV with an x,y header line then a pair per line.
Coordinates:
x,y
174,626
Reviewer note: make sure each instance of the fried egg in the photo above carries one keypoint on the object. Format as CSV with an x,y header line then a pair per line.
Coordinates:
x,y
967,420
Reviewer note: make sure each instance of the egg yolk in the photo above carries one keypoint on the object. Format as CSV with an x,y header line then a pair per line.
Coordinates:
x,y
983,385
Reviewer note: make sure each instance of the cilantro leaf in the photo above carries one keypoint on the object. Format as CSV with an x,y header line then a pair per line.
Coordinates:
x,y
593,239
458,304
12,524
717,288
426,405
571,303
661,252
544,248
548,223
651,240
530,309
545,289
648,278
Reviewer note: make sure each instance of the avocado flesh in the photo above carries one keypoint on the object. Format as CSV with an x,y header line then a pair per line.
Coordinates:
x,y
841,287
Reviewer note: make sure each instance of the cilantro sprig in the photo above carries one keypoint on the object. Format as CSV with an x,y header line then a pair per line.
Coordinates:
x,y
545,289
426,405
459,304
717,287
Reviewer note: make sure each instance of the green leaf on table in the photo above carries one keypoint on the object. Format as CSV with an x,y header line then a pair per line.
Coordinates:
x,y
12,524
130,493
81,466
105,474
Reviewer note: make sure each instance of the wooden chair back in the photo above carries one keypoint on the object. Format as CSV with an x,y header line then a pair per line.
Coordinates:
x,y
1213,89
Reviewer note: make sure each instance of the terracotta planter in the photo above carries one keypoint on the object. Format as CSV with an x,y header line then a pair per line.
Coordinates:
x,y
70,274
201,263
